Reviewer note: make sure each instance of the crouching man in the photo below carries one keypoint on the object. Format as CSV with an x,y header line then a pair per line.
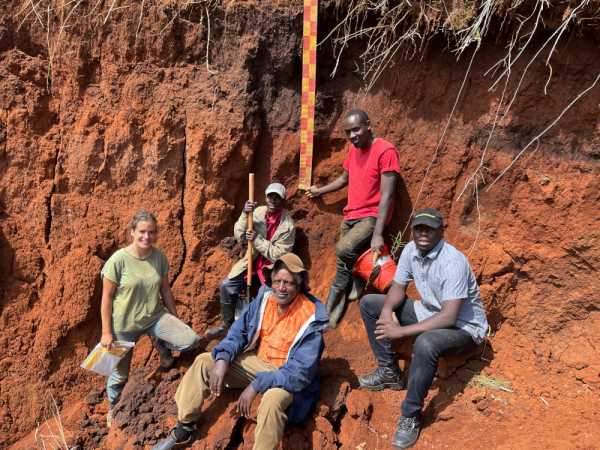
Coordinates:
x,y
449,320
273,349
273,235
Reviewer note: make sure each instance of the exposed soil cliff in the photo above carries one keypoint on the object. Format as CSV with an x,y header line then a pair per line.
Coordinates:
x,y
104,113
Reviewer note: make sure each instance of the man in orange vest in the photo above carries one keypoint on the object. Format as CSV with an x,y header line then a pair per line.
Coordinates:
x,y
273,349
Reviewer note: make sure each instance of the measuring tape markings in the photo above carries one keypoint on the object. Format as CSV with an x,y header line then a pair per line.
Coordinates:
x,y
309,82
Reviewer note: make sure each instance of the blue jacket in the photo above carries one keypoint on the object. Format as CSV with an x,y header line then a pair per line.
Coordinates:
x,y
299,375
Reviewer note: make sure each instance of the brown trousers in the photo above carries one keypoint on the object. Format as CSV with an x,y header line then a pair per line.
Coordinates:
x,y
271,416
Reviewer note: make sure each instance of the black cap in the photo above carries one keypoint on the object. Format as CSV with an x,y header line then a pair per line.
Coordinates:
x,y
430,217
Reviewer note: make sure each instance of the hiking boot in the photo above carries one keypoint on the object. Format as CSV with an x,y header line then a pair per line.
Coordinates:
x,y
178,437
382,378
407,432
166,357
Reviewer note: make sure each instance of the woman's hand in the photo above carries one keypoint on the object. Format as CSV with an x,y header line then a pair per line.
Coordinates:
x,y
107,340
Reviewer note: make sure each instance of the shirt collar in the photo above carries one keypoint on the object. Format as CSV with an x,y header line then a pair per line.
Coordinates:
x,y
273,216
433,253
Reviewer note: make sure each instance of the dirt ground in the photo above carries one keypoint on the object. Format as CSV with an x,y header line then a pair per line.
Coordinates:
x,y
125,116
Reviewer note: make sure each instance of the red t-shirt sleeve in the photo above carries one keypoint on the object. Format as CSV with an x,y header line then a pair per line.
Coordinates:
x,y
388,161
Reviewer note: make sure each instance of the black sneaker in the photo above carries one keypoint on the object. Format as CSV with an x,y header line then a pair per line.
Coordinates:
x,y
166,357
382,378
178,437
407,432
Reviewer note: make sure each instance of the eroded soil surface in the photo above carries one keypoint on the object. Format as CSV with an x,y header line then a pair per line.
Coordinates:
x,y
126,116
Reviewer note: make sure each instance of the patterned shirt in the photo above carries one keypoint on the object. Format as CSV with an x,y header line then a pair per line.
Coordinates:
x,y
444,274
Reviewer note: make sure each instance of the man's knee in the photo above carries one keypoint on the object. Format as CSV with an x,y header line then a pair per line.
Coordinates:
x,y
425,347
224,285
372,304
227,288
204,358
275,399
203,362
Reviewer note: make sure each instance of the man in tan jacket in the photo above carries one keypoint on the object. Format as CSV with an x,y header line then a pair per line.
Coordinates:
x,y
272,237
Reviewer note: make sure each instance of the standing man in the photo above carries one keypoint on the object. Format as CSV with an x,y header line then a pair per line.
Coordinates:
x,y
272,350
272,237
449,320
371,172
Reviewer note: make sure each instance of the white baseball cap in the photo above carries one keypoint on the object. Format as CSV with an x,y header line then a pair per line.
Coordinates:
x,y
276,188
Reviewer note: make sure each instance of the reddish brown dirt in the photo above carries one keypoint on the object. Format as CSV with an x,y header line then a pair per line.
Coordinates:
x,y
139,122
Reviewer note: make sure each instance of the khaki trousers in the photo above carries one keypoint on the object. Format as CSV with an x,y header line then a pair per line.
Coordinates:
x,y
271,416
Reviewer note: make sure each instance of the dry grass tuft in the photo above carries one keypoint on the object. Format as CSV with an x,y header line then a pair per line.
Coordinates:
x,y
49,433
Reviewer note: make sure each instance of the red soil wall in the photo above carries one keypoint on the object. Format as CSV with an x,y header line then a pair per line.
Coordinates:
x,y
133,121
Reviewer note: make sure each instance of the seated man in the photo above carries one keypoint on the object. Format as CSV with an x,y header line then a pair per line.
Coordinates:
x,y
449,319
273,349
273,236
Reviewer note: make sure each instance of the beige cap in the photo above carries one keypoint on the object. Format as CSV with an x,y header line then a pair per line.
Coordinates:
x,y
292,262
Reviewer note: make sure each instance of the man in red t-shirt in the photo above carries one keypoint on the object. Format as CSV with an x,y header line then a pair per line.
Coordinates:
x,y
371,171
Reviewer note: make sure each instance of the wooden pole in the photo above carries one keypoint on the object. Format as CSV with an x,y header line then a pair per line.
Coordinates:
x,y
250,227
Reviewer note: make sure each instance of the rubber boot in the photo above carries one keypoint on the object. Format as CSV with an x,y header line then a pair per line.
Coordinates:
x,y
358,287
227,317
336,302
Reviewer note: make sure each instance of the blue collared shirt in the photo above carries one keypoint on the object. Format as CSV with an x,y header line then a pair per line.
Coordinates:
x,y
444,274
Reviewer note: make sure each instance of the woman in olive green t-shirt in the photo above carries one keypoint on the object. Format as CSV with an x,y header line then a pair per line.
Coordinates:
x,y
134,281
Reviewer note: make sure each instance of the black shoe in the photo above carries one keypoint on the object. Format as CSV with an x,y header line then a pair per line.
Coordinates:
x,y
166,357
382,378
178,437
407,432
